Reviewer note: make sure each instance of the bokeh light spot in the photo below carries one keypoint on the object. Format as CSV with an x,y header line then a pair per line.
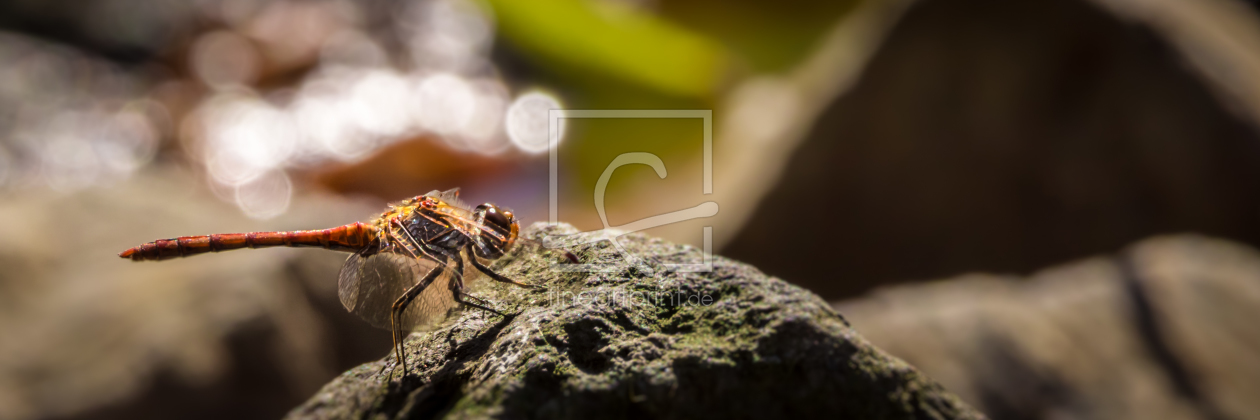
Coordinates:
x,y
527,121
266,196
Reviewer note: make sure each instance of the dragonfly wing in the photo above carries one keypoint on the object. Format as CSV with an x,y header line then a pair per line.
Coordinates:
x,y
435,306
369,285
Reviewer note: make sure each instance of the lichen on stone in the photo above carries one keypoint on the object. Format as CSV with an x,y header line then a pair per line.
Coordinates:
x,y
637,339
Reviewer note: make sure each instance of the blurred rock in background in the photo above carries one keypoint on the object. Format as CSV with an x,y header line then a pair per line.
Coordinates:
x,y
1164,330
1007,137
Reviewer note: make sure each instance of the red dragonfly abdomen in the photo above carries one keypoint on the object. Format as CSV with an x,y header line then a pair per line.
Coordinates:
x,y
350,238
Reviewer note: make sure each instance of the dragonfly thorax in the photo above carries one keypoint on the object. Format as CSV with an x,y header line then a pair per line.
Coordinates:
x,y
438,222
436,233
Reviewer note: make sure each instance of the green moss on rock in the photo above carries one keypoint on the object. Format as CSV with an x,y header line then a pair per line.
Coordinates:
x,y
623,343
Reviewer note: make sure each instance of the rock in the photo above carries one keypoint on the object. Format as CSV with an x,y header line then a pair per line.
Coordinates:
x,y
1016,152
1200,300
1165,329
633,342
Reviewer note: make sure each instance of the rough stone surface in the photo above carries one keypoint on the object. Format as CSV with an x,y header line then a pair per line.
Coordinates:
x,y
625,343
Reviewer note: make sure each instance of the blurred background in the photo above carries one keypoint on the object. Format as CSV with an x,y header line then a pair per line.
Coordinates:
x,y
1050,206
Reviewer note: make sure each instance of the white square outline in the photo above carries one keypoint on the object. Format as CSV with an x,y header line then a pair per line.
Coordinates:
x,y
553,138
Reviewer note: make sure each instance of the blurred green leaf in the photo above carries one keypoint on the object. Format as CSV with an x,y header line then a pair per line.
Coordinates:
x,y
597,40
767,36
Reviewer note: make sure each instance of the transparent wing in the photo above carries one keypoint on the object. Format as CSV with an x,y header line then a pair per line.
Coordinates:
x,y
450,197
370,283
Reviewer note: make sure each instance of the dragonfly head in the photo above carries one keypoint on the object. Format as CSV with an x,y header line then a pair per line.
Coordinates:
x,y
499,230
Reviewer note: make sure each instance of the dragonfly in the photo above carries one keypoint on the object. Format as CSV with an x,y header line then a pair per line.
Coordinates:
x,y
406,268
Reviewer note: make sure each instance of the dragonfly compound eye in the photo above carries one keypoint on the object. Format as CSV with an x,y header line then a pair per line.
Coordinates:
x,y
500,232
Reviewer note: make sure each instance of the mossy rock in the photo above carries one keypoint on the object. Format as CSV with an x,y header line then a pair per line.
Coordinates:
x,y
637,340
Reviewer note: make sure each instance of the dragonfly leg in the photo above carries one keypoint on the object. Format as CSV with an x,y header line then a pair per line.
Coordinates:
x,y
398,357
460,295
459,268
457,288
400,306
396,333
496,276
480,301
